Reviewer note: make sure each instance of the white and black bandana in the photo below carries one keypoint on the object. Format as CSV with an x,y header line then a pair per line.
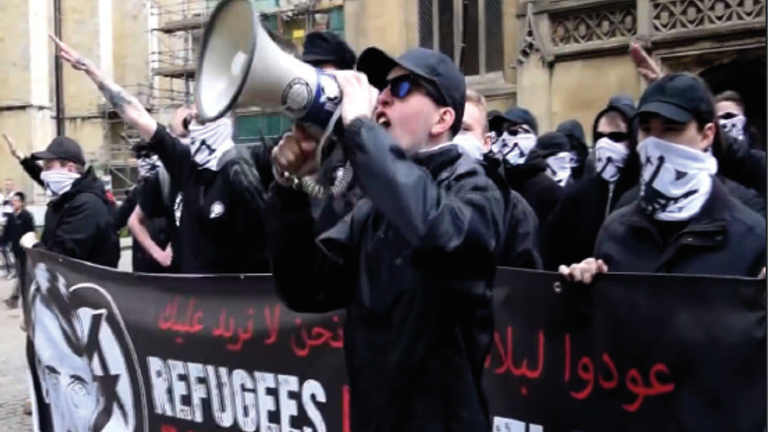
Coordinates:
x,y
515,148
559,168
148,165
610,158
210,141
676,180
734,127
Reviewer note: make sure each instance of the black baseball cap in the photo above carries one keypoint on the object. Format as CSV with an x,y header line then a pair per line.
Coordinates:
x,y
62,148
432,66
679,97
327,47
516,116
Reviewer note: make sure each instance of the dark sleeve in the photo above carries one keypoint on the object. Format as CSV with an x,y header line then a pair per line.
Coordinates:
x,y
126,209
559,237
247,185
79,227
306,277
33,169
151,199
749,197
469,216
522,240
176,157
740,163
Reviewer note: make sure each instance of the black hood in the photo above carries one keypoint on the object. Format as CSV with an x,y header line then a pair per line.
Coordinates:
x,y
547,145
625,106
575,133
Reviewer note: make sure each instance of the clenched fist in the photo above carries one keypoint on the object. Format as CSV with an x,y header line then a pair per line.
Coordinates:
x,y
295,154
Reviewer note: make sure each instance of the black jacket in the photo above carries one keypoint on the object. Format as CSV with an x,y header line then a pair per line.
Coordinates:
x,y
220,229
16,226
569,235
538,190
79,224
520,248
724,239
413,265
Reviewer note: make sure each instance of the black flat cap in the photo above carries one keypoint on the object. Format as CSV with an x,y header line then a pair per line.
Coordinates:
x,y
62,148
679,97
517,116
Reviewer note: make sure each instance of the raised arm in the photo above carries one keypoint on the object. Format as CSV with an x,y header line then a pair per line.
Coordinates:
x,y
30,167
127,106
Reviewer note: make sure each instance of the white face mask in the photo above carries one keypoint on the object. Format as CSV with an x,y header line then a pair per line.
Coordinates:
x,y
559,168
58,182
676,180
515,148
469,145
209,142
734,127
148,165
610,158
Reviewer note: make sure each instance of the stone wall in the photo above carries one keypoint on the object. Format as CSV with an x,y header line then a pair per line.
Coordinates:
x,y
572,54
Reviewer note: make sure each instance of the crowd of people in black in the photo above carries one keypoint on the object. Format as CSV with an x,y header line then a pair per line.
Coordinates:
x,y
443,193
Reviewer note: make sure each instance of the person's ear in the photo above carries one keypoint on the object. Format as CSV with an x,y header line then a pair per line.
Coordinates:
x,y
708,135
444,121
487,141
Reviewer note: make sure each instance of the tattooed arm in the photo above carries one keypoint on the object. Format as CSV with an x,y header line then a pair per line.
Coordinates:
x,y
129,108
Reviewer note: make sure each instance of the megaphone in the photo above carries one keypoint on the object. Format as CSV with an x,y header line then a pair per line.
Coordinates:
x,y
240,66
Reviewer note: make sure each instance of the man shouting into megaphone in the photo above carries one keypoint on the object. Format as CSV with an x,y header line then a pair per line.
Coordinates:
x,y
219,224
413,262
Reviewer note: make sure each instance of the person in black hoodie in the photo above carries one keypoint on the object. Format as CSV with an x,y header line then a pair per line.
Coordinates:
x,y
79,222
570,234
685,222
580,166
19,223
514,138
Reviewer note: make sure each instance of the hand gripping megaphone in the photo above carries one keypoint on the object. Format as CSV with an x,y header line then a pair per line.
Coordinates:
x,y
241,66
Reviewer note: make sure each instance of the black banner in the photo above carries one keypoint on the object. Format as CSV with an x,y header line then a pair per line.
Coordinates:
x,y
116,352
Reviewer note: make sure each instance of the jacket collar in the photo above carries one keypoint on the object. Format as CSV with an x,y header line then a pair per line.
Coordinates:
x,y
439,158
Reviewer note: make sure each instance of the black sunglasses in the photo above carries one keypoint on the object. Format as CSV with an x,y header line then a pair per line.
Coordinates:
x,y
617,137
403,85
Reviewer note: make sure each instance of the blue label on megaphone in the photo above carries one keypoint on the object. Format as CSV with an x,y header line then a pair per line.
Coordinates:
x,y
325,102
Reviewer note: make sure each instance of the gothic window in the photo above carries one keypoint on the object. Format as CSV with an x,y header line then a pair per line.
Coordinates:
x,y
445,24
